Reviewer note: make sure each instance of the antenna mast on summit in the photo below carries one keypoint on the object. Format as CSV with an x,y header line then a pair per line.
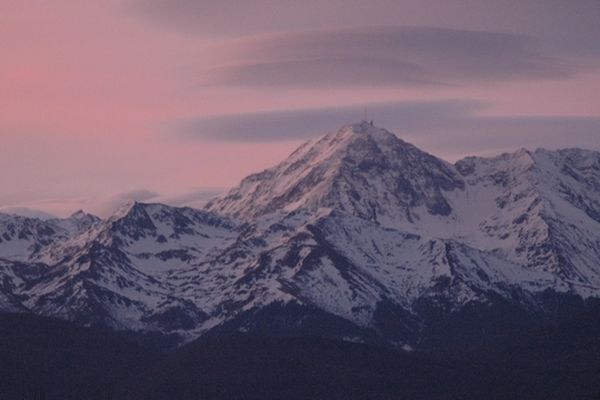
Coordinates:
x,y
366,119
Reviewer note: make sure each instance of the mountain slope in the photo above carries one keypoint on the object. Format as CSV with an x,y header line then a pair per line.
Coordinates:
x,y
119,274
544,214
22,237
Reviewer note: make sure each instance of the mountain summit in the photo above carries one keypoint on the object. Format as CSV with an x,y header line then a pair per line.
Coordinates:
x,y
356,235
360,169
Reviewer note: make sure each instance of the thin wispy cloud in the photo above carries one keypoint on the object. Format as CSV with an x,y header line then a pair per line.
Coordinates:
x,y
306,123
105,206
569,27
384,56
451,128
102,206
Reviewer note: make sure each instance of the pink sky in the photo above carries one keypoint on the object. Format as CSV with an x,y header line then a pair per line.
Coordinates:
x,y
93,94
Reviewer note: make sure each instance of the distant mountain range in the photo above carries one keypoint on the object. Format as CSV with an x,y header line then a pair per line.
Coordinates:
x,y
357,235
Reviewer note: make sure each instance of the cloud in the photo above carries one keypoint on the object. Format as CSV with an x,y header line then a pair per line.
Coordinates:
x,y
386,56
232,17
102,206
569,27
105,206
450,128
482,135
323,72
196,199
306,123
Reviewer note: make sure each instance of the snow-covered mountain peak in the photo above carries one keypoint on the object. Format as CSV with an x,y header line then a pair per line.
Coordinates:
x,y
79,221
337,145
78,214
137,220
22,238
360,169
367,129
126,208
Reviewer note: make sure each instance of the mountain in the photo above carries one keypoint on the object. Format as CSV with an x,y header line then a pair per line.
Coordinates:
x,y
357,235
360,170
515,204
27,212
125,272
21,238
